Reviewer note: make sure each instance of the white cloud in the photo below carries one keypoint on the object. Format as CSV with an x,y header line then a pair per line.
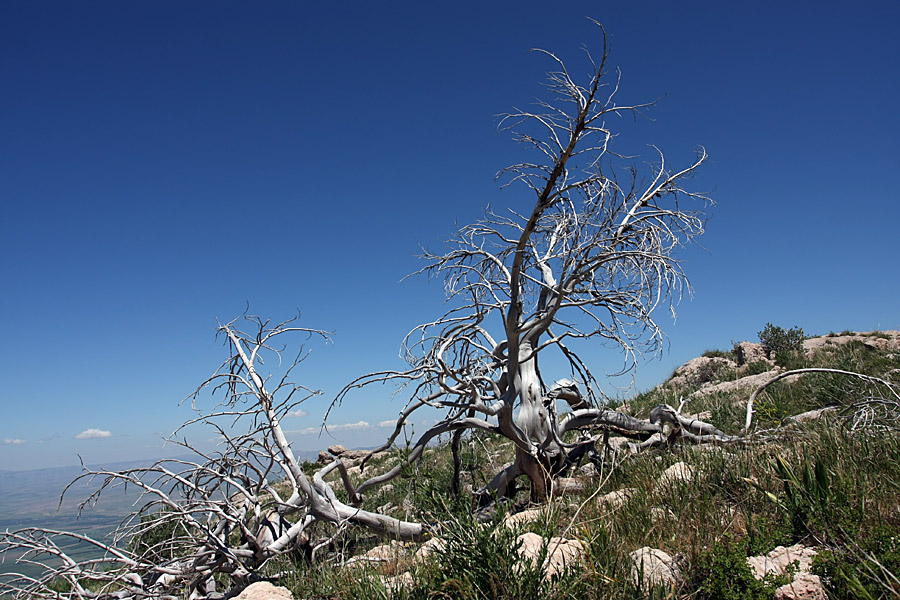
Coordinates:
x,y
93,434
359,425
13,441
296,413
342,427
387,424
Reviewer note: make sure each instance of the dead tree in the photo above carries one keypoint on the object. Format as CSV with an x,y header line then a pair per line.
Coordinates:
x,y
589,256
588,253
218,515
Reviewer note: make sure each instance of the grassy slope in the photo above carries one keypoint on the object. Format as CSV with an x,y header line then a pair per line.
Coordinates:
x,y
823,484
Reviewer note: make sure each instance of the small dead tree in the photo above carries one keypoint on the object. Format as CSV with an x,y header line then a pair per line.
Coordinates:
x,y
218,516
590,258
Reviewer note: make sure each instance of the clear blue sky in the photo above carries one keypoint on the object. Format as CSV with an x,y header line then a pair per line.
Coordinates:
x,y
164,163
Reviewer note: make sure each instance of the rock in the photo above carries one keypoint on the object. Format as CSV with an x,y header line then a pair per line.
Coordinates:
x,y
337,450
777,561
379,554
705,416
263,590
888,341
561,553
805,586
750,382
678,472
652,567
617,499
397,582
384,552
749,352
430,547
699,371
531,514
588,470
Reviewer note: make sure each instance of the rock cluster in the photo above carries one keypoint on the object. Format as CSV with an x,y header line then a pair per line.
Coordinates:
x,y
804,586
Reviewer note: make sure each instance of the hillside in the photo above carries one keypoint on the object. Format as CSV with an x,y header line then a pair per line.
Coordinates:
x,y
820,490
805,505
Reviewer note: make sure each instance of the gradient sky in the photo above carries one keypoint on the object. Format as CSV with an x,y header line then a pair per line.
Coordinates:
x,y
163,164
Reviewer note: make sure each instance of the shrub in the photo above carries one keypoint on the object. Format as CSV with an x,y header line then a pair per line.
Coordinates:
x,y
724,574
784,345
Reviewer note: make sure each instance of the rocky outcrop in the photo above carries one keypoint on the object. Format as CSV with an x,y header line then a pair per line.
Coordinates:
x,y
749,352
350,457
888,341
804,586
698,371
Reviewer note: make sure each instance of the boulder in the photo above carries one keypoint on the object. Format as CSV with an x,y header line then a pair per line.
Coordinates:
x,y
525,516
777,561
337,450
561,553
433,545
263,590
805,586
617,499
678,472
652,567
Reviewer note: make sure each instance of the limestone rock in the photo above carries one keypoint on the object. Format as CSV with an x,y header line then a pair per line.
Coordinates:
x,y
678,472
652,567
588,470
777,561
263,590
805,586
882,340
337,449
698,369
561,552
750,382
567,485
525,516
618,498
434,545
749,352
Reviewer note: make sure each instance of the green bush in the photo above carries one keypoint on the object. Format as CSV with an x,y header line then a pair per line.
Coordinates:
x,y
849,574
723,574
785,345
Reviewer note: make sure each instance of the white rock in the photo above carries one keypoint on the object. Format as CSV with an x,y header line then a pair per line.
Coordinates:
x,y
805,586
678,472
561,553
777,561
618,498
263,590
652,567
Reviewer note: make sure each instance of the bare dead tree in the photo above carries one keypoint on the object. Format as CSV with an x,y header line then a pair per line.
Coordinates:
x,y
219,515
591,258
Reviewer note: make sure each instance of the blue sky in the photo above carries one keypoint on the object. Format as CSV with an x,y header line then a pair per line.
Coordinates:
x,y
164,164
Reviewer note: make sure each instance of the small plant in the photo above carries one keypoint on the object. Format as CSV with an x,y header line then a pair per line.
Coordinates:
x,y
784,345
724,574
